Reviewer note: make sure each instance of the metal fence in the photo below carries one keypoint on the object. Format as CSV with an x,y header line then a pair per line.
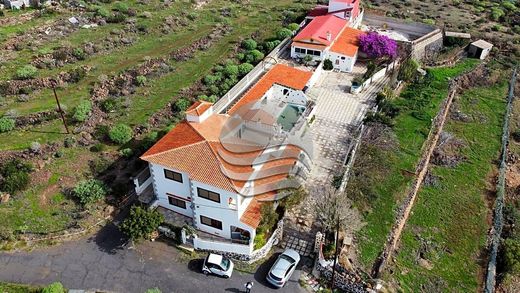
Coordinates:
x,y
498,218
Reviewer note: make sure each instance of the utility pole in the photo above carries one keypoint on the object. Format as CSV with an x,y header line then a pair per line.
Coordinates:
x,y
59,106
335,256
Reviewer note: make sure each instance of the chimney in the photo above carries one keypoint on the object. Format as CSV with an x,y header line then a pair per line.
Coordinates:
x,y
329,36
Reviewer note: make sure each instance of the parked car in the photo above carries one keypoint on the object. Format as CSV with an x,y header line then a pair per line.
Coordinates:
x,y
218,265
283,268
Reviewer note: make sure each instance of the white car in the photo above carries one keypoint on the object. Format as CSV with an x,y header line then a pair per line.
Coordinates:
x,y
218,265
283,268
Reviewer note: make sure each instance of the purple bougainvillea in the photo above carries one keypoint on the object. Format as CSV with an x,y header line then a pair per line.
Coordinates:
x,y
377,46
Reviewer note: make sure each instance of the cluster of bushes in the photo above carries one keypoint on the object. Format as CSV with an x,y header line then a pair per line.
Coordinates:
x,y
266,226
14,176
120,12
510,254
387,107
55,287
224,76
90,191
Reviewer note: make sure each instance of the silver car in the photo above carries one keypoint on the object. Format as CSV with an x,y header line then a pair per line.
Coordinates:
x,y
283,268
218,265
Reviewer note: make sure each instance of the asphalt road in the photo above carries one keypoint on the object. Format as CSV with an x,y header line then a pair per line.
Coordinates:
x,y
100,263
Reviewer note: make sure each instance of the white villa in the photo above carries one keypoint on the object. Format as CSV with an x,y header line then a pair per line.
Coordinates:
x,y
215,169
331,34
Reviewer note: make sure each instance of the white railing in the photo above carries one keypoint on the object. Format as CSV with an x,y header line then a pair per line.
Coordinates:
x,y
142,180
222,246
253,75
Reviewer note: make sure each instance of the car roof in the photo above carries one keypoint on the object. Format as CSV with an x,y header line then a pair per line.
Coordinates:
x,y
214,258
293,254
281,265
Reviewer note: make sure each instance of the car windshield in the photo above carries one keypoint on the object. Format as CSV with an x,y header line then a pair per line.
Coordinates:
x,y
225,263
287,258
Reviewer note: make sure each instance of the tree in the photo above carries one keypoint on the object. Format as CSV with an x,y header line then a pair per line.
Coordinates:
x,y
408,70
254,56
244,68
293,26
55,287
141,223
249,44
90,191
283,33
14,176
182,104
327,64
377,46
332,207
121,133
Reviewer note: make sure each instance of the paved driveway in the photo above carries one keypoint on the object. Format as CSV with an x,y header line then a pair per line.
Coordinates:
x,y
100,263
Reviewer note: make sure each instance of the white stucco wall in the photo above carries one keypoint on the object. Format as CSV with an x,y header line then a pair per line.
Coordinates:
x,y
292,96
344,65
338,5
163,185
226,213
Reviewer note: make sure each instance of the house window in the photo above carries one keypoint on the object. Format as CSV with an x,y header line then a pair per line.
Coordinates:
x,y
300,50
209,195
175,176
342,58
211,222
314,52
285,92
177,202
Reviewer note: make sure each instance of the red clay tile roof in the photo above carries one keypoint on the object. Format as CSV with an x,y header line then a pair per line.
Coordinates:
x,y
196,159
280,74
181,135
316,30
252,215
198,108
347,42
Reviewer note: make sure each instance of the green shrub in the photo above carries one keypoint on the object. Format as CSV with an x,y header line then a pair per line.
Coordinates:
x,y
98,147
231,70
121,7
79,53
153,290
182,104
6,124
116,18
283,34
244,68
121,133
249,44
293,26
14,176
140,80
512,255
269,46
69,141
102,12
110,105
211,99
210,80
90,191
254,56
408,70
26,72
259,241
327,64
141,223
496,13
55,287
127,152
82,111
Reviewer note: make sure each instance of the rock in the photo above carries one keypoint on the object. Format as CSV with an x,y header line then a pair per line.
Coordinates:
x,y
109,210
425,264
4,197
